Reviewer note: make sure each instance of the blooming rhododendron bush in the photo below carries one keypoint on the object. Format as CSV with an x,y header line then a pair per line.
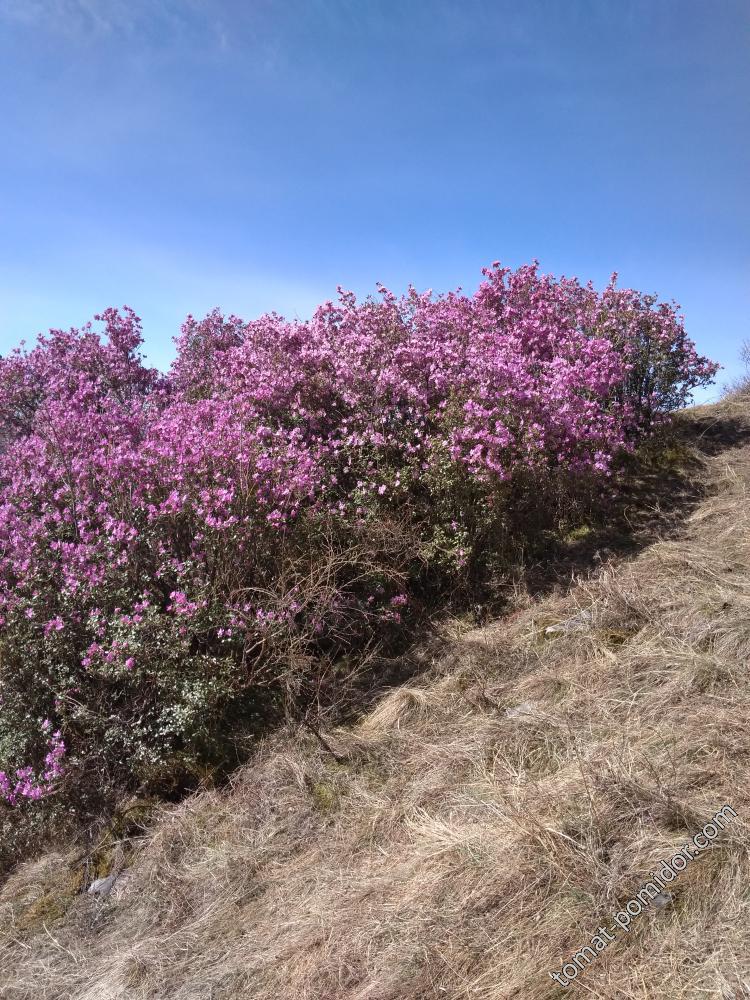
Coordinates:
x,y
172,545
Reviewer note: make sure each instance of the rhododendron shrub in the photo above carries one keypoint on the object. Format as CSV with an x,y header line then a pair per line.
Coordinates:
x,y
171,543
663,364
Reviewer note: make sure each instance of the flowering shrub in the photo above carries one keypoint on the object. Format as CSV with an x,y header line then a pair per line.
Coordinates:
x,y
170,542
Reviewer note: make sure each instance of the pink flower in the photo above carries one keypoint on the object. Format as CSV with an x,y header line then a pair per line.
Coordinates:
x,y
53,625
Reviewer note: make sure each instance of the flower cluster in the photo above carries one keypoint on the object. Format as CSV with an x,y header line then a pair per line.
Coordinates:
x,y
159,533
26,784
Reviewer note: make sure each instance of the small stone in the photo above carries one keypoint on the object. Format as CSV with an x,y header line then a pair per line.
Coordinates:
x,y
575,624
102,886
662,900
519,711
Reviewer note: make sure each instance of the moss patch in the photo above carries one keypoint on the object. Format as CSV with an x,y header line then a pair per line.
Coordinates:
x,y
325,797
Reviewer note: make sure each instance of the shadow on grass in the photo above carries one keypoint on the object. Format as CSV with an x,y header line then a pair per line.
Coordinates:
x,y
655,491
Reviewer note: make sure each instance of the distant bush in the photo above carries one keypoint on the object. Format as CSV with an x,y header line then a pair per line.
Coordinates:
x,y
170,544
740,386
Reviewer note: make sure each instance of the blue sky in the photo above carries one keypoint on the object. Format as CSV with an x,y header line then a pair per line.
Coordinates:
x,y
175,156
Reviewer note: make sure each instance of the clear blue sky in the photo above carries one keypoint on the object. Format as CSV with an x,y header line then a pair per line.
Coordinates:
x,y
179,154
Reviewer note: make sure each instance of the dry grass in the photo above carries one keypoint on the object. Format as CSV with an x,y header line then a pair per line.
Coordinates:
x,y
475,829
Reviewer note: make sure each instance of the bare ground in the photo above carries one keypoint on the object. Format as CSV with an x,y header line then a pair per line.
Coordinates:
x,y
473,831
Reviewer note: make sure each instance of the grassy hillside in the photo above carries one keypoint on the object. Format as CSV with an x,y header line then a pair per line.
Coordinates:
x,y
473,830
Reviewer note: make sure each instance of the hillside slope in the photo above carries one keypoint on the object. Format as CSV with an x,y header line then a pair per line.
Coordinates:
x,y
475,830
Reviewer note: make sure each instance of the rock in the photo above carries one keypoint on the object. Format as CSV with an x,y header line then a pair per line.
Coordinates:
x,y
102,886
519,711
578,623
662,900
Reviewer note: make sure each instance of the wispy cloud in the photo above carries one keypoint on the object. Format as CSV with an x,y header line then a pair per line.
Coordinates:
x,y
89,19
